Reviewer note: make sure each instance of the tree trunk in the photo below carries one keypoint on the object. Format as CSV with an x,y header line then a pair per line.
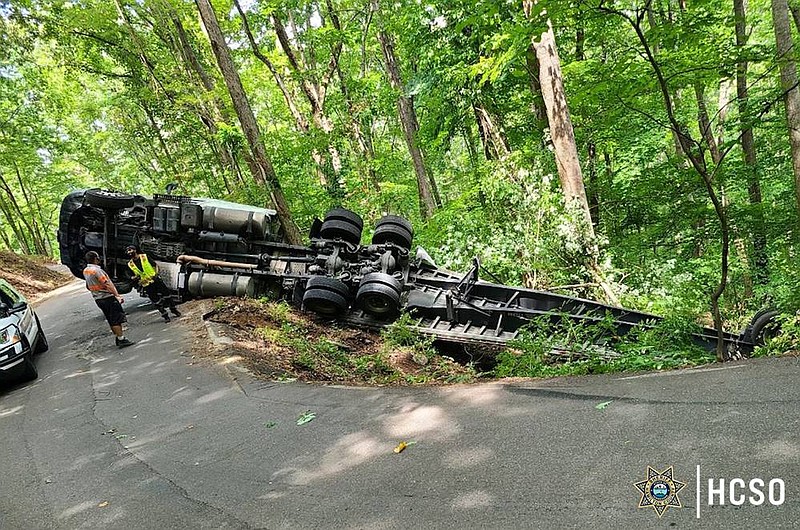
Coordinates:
x,y
408,121
784,46
704,123
264,172
561,132
495,145
537,105
761,262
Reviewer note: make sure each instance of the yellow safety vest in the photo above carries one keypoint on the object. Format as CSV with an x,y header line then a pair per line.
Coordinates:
x,y
147,274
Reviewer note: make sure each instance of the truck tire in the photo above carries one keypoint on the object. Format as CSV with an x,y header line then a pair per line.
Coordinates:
x,y
324,302
343,214
379,294
344,230
108,199
765,327
329,284
391,233
395,220
378,300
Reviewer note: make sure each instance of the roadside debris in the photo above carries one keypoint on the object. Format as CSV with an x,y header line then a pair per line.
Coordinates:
x,y
603,405
306,417
402,446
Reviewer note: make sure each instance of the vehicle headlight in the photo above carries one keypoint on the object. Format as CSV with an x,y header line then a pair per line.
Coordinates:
x,y
9,336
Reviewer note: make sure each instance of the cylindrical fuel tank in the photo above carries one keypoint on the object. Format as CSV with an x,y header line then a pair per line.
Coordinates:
x,y
206,284
246,223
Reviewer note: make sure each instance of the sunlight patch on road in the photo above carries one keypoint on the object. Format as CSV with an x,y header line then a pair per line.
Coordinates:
x,y
414,419
783,451
348,452
78,508
213,396
473,499
465,458
11,411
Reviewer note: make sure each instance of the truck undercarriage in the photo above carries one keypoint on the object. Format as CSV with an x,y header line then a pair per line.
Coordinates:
x,y
206,248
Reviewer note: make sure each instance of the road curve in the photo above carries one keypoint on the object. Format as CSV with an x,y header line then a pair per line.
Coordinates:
x,y
148,437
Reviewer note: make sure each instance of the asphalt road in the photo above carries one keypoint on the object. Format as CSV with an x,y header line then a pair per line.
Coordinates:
x,y
150,438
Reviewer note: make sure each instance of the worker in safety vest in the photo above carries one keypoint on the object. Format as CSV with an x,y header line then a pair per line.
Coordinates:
x,y
146,274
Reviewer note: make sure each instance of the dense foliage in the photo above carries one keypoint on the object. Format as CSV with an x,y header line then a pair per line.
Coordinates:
x,y
127,95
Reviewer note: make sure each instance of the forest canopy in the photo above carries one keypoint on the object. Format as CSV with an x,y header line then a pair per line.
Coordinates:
x,y
642,152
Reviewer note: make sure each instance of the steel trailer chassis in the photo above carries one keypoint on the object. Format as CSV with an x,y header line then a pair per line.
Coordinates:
x,y
211,248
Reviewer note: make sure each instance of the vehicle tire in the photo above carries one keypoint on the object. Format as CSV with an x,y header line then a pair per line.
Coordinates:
x,y
378,300
391,233
108,199
29,371
344,230
383,279
324,302
329,284
41,341
765,327
395,220
343,214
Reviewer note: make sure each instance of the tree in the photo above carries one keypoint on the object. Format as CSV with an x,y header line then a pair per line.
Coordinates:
x,y
426,184
263,172
784,47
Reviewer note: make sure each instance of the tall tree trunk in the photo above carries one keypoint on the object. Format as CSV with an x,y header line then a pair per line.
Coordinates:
x,y
537,104
16,219
264,172
408,121
761,262
314,88
784,46
704,123
593,193
561,132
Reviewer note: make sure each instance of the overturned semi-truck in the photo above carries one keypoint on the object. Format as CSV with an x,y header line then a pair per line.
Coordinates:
x,y
207,247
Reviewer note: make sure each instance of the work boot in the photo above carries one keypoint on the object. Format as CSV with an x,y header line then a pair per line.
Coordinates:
x,y
123,342
166,317
175,311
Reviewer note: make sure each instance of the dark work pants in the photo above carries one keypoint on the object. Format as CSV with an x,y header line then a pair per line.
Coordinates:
x,y
160,295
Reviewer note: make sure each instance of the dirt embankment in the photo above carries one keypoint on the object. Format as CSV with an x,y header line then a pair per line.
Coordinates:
x,y
30,274
277,342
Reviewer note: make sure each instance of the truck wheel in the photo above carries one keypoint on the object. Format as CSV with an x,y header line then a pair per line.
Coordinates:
x,y
324,302
343,214
328,284
108,199
395,220
344,230
41,341
379,294
390,233
378,300
765,327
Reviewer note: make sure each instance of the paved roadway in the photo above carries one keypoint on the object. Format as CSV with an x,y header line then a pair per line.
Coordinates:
x,y
147,438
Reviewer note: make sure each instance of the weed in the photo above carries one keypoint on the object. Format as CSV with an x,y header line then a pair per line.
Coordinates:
x,y
305,360
559,345
277,312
